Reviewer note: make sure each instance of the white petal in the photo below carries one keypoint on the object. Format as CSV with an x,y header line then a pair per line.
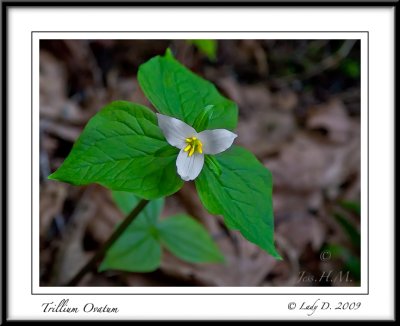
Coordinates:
x,y
216,141
189,167
174,130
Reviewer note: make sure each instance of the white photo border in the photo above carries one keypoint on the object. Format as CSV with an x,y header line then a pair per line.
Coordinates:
x,y
24,300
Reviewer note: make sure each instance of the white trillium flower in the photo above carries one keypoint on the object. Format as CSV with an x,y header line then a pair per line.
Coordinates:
x,y
193,144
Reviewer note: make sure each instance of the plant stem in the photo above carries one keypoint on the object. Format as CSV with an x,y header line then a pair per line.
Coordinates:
x,y
91,264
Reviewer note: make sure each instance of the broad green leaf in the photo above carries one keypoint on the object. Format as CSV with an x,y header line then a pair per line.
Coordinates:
x,y
188,240
135,251
122,148
138,249
177,92
207,47
213,164
242,194
202,119
127,201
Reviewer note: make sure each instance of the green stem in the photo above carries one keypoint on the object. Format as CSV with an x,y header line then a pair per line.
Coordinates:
x,y
91,264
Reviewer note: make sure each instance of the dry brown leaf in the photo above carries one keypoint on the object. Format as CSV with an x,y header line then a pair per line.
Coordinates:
x,y
308,165
96,216
52,197
105,217
61,130
301,231
285,100
333,118
265,133
71,256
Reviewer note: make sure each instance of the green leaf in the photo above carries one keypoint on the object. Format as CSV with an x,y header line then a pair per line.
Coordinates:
x,y
188,240
127,201
138,249
351,68
134,251
352,262
242,193
351,206
213,164
351,230
176,91
122,148
201,121
207,47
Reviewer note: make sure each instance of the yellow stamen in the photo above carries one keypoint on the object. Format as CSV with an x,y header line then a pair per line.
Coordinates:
x,y
191,151
193,145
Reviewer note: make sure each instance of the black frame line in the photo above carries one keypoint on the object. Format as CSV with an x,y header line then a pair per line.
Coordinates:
x,y
111,32
205,3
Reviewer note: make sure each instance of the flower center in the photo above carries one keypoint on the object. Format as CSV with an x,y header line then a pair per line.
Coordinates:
x,y
193,145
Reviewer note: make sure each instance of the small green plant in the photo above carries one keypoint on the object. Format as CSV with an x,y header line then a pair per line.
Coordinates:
x,y
207,47
126,147
138,249
349,254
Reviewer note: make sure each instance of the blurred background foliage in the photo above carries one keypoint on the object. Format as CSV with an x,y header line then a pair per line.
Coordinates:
x,y
299,112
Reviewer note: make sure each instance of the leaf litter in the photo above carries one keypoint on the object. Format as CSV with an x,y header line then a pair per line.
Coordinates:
x,y
305,129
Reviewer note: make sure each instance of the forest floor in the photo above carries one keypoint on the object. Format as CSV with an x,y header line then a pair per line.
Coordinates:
x,y
299,113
